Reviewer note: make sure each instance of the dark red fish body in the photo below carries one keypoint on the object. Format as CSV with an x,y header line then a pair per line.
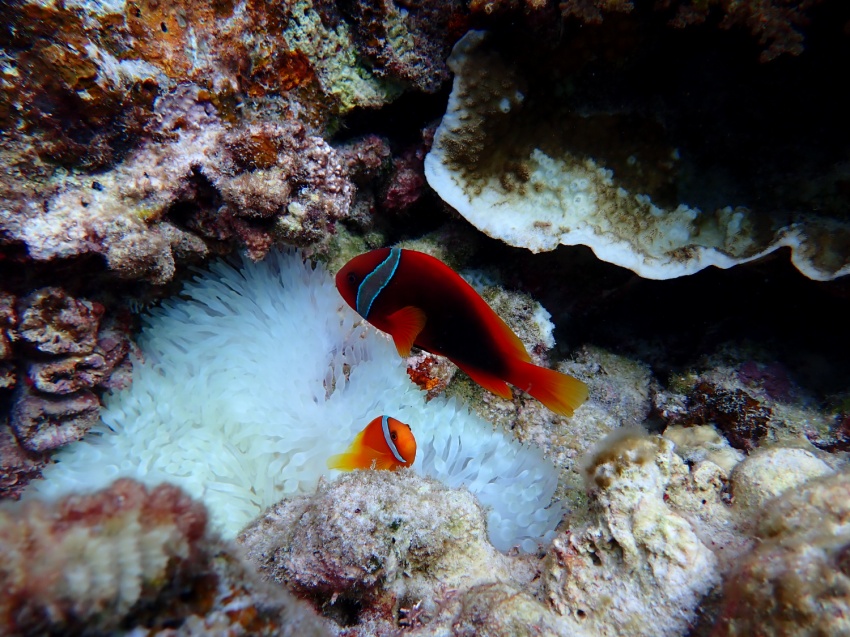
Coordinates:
x,y
420,301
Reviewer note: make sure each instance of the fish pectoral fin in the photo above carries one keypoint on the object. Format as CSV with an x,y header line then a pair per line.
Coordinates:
x,y
383,463
489,382
405,325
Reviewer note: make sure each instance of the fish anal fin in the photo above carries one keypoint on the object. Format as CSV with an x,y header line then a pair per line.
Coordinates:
x,y
404,326
489,382
561,393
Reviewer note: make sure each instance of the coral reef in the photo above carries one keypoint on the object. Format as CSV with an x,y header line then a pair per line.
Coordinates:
x,y
242,379
497,610
796,581
378,551
163,133
372,536
597,573
748,411
263,182
525,160
132,557
66,352
776,23
8,319
737,414
701,490
406,41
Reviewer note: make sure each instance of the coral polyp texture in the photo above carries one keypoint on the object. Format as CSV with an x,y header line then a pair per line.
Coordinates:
x,y
261,183
149,135
256,376
521,153
401,550
132,557
797,580
59,353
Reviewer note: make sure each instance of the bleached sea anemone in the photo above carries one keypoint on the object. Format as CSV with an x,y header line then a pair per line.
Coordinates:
x,y
257,374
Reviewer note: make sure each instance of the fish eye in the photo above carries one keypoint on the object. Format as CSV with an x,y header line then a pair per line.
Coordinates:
x,y
393,435
352,278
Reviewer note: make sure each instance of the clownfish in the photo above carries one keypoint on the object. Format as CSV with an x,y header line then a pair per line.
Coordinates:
x,y
419,300
385,443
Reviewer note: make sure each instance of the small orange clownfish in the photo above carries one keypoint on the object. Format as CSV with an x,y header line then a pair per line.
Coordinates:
x,y
385,443
419,300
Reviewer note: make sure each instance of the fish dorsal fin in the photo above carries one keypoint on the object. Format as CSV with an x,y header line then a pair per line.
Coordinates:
x,y
404,326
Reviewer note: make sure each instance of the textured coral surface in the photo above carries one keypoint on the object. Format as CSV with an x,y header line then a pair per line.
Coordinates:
x,y
700,491
594,152
131,557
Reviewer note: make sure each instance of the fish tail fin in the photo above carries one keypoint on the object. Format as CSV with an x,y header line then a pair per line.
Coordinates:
x,y
343,462
561,393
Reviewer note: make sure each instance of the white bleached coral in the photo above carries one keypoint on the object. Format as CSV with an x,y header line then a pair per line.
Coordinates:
x,y
259,374
505,159
635,542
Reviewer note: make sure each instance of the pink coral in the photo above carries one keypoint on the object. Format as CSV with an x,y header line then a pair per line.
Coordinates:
x,y
406,182
66,351
54,323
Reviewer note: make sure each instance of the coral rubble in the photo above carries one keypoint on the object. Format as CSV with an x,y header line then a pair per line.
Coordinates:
x,y
597,573
132,557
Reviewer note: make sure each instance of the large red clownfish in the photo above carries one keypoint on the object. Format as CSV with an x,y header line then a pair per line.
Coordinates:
x,y
419,300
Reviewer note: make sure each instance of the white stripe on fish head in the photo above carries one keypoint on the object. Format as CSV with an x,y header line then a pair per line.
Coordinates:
x,y
374,282
385,425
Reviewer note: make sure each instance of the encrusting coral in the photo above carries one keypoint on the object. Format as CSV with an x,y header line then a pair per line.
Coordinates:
x,y
379,551
60,353
749,404
257,375
132,557
150,135
599,573
269,182
373,534
797,580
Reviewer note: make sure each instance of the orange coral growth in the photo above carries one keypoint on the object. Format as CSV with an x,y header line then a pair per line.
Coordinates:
x,y
430,372
282,71
160,31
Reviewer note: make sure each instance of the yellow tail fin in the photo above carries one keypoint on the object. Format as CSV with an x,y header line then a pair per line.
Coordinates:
x,y
561,393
